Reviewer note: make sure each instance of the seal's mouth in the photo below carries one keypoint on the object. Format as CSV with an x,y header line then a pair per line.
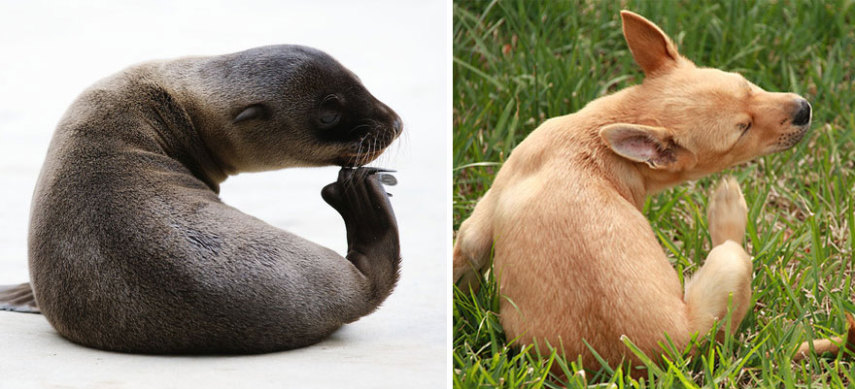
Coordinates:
x,y
370,145
356,160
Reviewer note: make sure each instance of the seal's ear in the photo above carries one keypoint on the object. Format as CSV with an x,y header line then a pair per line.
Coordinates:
x,y
654,146
650,47
255,111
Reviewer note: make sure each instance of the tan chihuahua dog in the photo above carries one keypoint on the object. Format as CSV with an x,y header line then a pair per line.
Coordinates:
x,y
574,255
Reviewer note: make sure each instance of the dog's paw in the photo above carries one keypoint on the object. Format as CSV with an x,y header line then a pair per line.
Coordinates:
x,y
728,213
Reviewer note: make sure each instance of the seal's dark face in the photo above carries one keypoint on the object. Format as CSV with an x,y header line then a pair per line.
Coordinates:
x,y
300,107
353,122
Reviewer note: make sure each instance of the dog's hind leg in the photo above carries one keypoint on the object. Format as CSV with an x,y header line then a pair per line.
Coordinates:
x,y
474,243
725,278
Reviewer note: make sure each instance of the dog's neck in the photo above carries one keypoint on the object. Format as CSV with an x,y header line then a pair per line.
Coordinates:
x,y
633,180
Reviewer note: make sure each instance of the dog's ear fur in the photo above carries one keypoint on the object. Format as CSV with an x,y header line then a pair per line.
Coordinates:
x,y
651,145
652,49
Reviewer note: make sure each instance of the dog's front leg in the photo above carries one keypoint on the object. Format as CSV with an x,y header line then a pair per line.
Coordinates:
x,y
474,244
727,270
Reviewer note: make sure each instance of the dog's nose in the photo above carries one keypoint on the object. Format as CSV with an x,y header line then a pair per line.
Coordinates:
x,y
802,116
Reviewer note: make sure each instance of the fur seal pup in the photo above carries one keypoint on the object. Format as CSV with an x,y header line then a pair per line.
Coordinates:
x,y
130,247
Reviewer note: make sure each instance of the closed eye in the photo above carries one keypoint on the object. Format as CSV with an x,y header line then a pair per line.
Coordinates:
x,y
329,118
329,112
745,127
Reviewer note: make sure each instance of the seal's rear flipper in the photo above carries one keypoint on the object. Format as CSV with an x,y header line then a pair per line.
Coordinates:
x,y
18,298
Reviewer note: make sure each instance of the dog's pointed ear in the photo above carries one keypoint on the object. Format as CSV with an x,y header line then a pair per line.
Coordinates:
x,y
652,50
651,145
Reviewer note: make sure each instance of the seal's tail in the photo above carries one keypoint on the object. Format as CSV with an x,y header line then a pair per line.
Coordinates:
x,y
18,298
831,345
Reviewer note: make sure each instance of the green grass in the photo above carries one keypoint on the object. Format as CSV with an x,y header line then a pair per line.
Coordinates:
x,y
518,62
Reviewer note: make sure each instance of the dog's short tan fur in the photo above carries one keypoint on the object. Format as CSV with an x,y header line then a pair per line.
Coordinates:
x,y
575,258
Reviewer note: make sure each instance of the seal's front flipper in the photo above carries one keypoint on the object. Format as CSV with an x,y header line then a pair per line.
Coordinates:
x,y
18,298
372,230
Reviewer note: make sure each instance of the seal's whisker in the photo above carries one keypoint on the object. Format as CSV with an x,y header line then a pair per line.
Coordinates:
x,y
359,127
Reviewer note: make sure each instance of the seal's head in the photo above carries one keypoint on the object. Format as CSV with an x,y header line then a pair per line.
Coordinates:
x,y
292,106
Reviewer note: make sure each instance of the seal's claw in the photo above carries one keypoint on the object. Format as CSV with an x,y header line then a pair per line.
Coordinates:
x,y
374,170
388,179
348,174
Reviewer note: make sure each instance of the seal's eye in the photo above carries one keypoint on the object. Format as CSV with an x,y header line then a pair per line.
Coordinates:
x,y
329,112
329,118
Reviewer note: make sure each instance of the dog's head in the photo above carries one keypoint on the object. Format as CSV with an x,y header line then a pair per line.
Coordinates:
x,y
694,121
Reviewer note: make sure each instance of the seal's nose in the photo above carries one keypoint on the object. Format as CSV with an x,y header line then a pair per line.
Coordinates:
x,y
397,126
803,112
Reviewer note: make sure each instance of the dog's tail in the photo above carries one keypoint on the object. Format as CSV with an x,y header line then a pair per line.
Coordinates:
x,y
18,298
474,244
831,345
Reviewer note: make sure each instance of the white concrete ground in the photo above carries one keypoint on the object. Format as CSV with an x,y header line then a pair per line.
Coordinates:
x,y
51,51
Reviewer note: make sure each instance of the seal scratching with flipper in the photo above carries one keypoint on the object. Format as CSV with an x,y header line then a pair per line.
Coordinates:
x,y
130,247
